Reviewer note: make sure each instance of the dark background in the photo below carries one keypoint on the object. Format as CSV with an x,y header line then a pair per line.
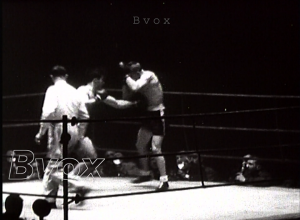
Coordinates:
x,y
210,46
236,47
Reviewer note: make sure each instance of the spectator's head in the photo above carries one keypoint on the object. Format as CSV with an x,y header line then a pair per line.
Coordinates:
x,y
113,164
193,158
183,162
250,163
118,162
14,205
41,208
113,154
109,154
11,156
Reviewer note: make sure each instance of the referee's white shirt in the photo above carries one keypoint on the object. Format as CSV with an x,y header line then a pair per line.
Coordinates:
x,y
62,99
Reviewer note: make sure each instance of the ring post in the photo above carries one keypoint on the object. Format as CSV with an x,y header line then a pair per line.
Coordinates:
x,y
199,158
65,137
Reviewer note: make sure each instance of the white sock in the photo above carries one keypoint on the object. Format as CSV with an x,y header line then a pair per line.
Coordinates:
x,y
164,178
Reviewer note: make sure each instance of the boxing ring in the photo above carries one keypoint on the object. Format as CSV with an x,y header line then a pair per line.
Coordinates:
x,y
115,197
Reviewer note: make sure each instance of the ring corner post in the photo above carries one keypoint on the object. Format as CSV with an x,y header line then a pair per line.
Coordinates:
x,y
65,140
198,152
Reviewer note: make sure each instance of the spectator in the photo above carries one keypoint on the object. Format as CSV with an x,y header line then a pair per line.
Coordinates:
x,y
188,169
14,207
251,170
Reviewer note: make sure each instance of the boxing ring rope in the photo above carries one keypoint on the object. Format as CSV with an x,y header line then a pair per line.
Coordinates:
x,y
183,153
65,138
73,121
147,118
183,126
117,120
144,192
178,93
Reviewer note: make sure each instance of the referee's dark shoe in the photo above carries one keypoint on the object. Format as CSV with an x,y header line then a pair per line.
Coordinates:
x,y
163,186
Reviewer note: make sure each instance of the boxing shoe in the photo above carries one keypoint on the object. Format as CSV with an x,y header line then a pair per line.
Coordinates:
x,y
53,205
80,194
163,186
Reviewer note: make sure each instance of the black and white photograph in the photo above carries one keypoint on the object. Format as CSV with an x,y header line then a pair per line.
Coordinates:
x,y
167,110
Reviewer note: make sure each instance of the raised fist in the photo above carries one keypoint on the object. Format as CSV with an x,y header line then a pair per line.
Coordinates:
x,y
101,94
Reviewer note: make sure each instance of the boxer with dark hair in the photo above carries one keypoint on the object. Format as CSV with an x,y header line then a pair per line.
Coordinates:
x,y
94,91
